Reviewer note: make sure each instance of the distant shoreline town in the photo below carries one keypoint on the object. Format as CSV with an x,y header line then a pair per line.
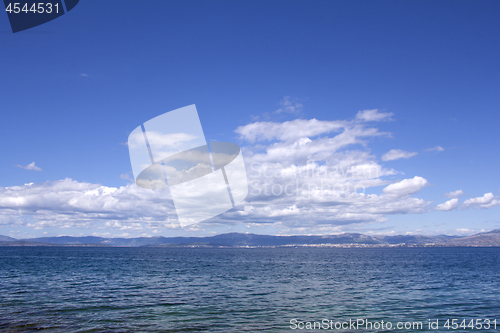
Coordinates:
x,y
243,240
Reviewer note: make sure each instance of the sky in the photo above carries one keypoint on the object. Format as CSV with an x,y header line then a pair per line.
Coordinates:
x,y
381,117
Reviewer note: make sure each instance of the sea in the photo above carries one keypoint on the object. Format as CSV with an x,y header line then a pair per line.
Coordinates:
x,y
293,289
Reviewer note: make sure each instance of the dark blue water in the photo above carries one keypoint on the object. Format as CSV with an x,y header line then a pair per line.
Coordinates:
x,y
71,289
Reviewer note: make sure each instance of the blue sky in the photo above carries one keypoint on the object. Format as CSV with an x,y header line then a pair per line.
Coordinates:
x,y
74,88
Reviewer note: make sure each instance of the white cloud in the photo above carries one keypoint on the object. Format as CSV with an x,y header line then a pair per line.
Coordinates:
x,y
67,203
486,201
30,166
84,75
406,186
128,176
305,176
466,232
454,194
448,205
308,174
288,105
396,154
437,148
373,115
288,130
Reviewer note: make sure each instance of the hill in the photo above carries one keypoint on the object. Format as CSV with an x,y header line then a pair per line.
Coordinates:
x,y
491,238
6,239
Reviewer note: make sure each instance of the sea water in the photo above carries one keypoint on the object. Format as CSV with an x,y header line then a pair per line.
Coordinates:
x,y
99,289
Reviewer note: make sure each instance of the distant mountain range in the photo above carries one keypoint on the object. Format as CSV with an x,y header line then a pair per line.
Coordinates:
x,y
6,239
491,238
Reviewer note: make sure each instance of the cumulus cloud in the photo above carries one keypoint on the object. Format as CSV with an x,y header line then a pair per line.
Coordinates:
x,y
454,194
486,201
373,115
67,203
396,154
30,166
448,205
437,148
287,131
406,186
305,175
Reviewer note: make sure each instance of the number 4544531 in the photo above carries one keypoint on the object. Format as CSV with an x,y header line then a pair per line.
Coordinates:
x,y
38,8
478,324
